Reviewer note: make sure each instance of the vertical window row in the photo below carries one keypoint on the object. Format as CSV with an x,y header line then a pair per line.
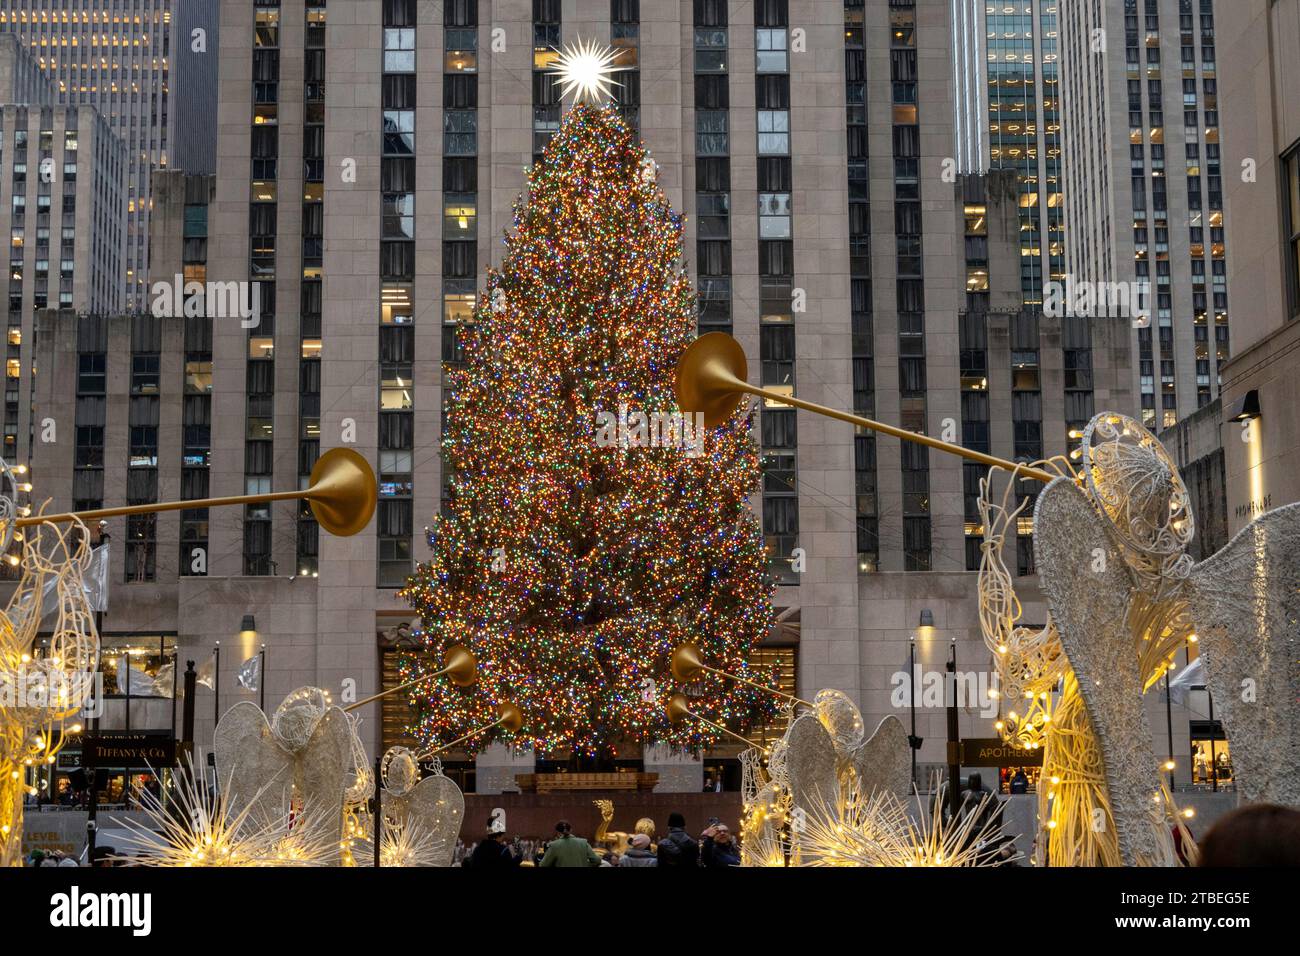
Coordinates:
x,y
776,285
17,251
1203,168
142,461
196,401
1150,208
625,40
910,284
1014,127
1049,169
1026,423
397,293
712,166
307,544
89,417
973,359
459,198
866,504
263,220
546,89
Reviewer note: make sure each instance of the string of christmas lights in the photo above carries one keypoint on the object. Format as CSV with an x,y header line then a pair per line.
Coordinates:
x,y
570,567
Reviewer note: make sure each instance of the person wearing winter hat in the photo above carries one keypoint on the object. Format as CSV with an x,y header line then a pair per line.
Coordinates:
x,y
639,853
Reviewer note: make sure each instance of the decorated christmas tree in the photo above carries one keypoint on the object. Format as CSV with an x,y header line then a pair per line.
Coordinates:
x,y
592,528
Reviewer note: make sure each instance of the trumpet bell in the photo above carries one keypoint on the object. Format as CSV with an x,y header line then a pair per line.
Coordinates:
x,y
686,663
510,716
708,374
460,665
677,709
343,492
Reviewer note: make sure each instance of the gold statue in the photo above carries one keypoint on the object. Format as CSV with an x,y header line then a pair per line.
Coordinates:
x,y
617,839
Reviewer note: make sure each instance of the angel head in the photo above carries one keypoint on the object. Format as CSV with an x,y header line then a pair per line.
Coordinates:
x,y
297,717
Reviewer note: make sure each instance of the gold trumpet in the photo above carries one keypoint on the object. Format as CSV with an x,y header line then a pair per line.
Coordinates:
x,y
678,710
458,662
342,496
711,377
508,716
687,665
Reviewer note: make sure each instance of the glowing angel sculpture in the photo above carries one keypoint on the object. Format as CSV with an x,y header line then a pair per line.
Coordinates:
x,y
823,756
1110,543
427,812
42,690
1241,605
306,749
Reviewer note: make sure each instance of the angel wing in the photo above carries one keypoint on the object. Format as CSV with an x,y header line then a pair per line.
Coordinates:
x,y
323,769
254,770
811,764
437,805
1245,602
1090,608
883,761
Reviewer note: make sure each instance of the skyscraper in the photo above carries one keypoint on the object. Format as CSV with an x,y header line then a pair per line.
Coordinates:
x,y
146,71
1024,129
1144,196
62,205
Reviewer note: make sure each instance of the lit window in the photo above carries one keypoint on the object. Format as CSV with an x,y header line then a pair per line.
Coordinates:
x,y
396,304
397,392
459,216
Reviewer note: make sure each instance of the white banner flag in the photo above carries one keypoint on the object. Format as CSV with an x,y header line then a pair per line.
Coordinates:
x,y
250,672
207,673
95,584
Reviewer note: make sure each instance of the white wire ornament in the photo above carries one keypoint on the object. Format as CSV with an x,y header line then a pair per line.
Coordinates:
x,y
43,689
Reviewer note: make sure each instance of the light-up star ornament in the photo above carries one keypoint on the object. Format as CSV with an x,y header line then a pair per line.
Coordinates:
x,y
584,70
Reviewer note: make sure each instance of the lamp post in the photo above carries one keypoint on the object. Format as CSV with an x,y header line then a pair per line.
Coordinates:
x,y
913,741
216,686
954,741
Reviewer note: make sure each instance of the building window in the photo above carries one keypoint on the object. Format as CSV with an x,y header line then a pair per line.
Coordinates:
x,y
1291,212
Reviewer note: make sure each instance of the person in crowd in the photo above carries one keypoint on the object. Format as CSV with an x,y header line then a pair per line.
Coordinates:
x,y
568,850
1262,834
975,791
708,784
1019,782
677,848
718,847
492,852
639,853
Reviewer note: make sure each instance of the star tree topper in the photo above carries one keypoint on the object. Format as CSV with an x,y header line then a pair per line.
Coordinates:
x,y
585,71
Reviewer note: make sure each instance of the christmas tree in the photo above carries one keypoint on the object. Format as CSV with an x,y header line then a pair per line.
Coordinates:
x,y
591,529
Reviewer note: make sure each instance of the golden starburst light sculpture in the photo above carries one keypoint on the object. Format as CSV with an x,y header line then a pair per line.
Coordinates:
x,y
585,71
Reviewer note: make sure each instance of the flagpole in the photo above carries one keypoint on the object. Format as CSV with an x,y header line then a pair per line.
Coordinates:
x,y
216,688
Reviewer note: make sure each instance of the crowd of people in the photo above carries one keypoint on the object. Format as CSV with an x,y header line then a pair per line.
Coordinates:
x,y
715,846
